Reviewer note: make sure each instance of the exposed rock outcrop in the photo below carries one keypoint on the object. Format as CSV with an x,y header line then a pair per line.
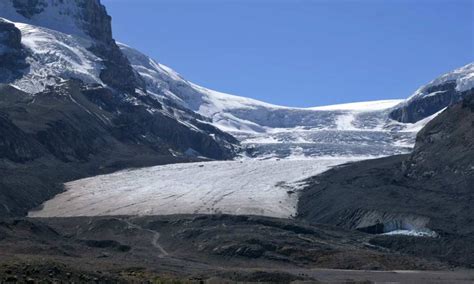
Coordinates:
x,y
10,36
440,93
445,150
15,145
95,20
12,55
443,95
84,18
29,8
78,17
71,131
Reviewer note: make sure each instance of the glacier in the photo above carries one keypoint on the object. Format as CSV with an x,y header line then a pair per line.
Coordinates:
x,y
56,55
255,187
271,131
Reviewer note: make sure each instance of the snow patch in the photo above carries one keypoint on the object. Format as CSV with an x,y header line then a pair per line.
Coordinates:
x,y
56,55
414,233
417,126
345,122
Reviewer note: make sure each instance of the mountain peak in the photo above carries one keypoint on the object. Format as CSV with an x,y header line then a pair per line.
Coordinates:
x,y
87,18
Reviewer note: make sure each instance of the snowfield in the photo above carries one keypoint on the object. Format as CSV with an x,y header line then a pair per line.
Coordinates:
x,y
256,187
56,55
414,233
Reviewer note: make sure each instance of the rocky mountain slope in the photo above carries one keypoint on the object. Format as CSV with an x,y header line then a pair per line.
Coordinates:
x,y
445,90
72,40
428,191
71,105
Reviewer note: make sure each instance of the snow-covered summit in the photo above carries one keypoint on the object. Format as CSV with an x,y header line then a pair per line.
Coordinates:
x,y
85,18
207,101
234,113
272,131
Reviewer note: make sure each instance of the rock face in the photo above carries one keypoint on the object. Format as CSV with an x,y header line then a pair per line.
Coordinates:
x,y
29,8
15,145
97,24
12,55
453,132
96,21
51,138
118,73
84,18
445,95
10,36
78,17
429,189
442,92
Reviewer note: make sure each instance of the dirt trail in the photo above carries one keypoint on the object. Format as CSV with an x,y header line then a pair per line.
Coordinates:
x,y
154,241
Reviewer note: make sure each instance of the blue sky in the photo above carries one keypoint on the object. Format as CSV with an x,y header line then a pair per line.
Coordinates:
x,y
302,53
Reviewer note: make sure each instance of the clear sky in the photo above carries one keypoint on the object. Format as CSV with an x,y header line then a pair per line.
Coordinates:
x,y
302,53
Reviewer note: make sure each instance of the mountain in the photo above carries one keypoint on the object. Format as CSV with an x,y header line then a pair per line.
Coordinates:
x,y
427,192
270,131
365,129
71,105
72,98
332,136
68,39
445,90
76,108
73,39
